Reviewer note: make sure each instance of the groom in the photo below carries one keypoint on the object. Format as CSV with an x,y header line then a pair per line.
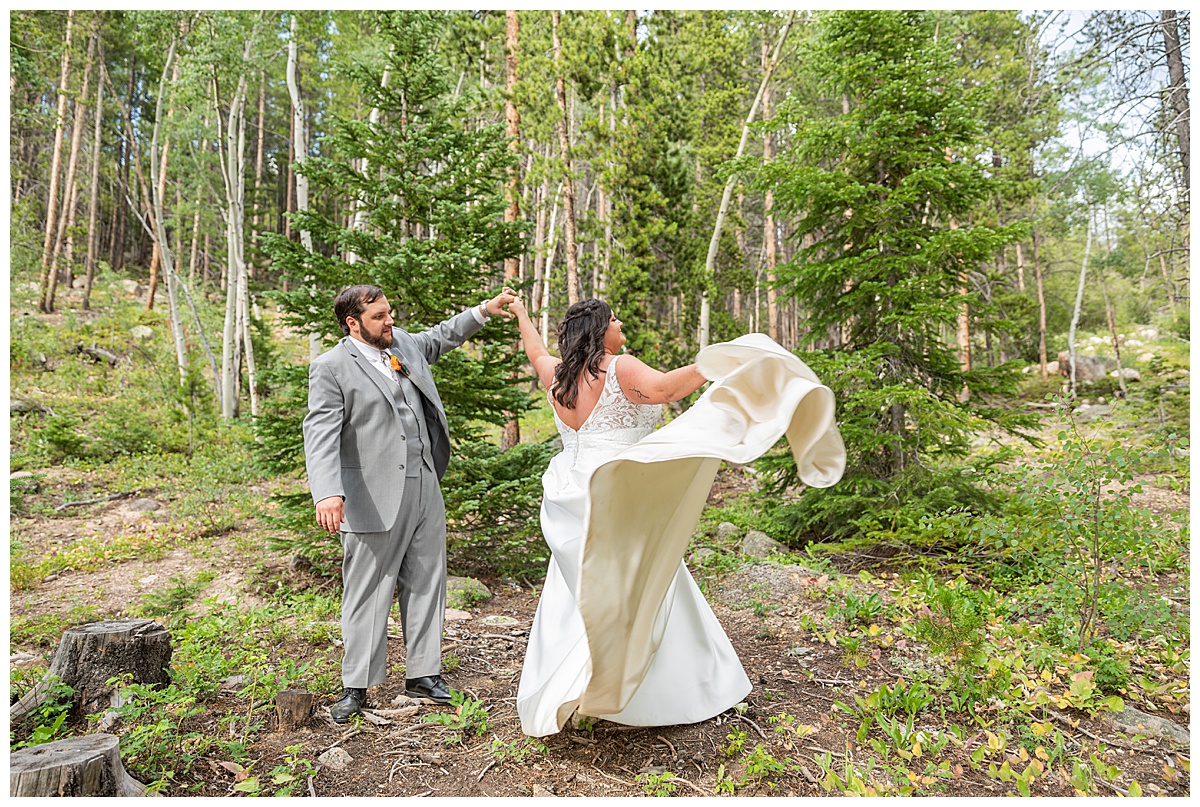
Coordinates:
x,y
376,445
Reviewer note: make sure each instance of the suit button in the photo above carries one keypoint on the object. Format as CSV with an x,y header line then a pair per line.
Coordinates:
x,y
403,437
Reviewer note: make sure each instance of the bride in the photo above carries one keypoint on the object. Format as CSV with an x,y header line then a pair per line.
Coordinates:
x,y
622,632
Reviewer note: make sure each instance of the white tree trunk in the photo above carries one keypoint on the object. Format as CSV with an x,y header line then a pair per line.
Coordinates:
x,y
714,243
360,215
235,197
301,149
545,302
1087,251
158,186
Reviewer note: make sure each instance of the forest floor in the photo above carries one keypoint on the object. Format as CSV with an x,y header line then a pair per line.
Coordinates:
x,y
786,739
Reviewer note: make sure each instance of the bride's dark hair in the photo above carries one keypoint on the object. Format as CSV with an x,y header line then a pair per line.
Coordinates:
x,y
581,346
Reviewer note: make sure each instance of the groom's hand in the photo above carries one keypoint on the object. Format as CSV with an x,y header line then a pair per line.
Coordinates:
x,y
330,513
498,305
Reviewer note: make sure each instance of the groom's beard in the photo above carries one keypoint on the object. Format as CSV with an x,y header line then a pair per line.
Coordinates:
x,y
381,340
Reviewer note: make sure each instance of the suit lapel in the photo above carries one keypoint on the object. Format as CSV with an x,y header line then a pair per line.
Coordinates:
x,y
376,377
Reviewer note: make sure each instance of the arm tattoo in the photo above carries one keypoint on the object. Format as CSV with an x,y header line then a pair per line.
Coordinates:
x,y
639,393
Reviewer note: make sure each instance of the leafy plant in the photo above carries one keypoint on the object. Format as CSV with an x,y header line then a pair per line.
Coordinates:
x,y
468,719
658,784
48,718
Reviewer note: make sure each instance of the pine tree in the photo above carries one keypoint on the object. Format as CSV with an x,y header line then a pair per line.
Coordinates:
x,y
883,179
432,237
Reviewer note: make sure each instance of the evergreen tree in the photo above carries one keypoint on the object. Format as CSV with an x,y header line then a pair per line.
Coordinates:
x,y
432,236
882,181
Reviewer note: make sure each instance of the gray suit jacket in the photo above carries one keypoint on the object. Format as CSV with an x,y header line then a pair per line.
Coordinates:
x,y
352,445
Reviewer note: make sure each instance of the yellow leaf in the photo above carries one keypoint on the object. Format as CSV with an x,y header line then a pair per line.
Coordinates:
x,y
1135,789
1040,752
1022,754
916,749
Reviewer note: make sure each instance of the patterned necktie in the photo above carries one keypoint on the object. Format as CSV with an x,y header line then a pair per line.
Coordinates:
x,y
387,362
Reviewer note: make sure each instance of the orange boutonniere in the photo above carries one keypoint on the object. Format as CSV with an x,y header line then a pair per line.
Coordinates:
x,y
398,365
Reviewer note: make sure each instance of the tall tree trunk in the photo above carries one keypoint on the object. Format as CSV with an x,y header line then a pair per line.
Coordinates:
x,y
1041,295
714,243
258,170
564,147
1162,262
161,245
56,168
1179,93
66,223
158,170
511,433
552,236
233,170
300,133
126,162
1087,251
94,202
768,208
1020,268
359,221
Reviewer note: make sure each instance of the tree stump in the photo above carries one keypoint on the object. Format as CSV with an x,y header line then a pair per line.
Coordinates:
x,y
89,655
78,766
293,707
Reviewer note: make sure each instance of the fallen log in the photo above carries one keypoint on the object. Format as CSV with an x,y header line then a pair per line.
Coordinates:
x,y
78,766
89,655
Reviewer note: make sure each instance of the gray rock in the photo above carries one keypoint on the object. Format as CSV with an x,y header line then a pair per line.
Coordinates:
x,y
498,619
540,791
1086,411
464,592
129,285
701,555
144,505
15,475
141,332
335,759
456,615
1145,357
760,545
1129,373
727,532
79,282
1135,721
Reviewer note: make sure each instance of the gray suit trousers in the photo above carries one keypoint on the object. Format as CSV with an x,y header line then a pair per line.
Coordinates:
x,y
410,557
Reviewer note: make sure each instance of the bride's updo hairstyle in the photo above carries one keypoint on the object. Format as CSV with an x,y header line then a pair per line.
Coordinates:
x,y
581,346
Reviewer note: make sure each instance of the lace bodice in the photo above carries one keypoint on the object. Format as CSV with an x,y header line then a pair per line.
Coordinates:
x,y
615,422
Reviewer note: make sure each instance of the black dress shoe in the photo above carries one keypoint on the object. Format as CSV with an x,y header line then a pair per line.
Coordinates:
x,y
351,703
431,689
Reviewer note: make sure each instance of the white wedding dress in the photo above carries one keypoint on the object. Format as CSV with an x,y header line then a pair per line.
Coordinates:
x,y
621,631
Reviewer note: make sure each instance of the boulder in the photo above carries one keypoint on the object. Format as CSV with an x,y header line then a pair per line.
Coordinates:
x,y
129,285
1145,357
1052,368
144,505
336,758
142,332
1135,721
760,545
464,592
1128,373
701,555
79,282
1087,368
727,532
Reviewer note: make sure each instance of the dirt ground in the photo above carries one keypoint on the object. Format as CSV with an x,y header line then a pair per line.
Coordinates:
x,y
401,754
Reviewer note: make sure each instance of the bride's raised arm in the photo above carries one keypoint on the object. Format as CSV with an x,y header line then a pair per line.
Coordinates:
x,y
543,363
644,385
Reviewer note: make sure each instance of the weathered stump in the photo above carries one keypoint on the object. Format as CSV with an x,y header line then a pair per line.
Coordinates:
x,y
78,766
89,655
293,707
